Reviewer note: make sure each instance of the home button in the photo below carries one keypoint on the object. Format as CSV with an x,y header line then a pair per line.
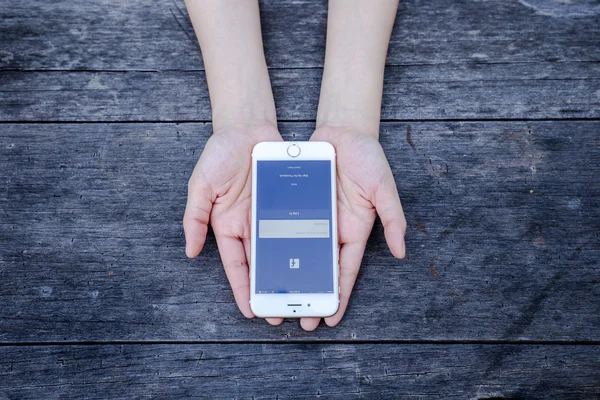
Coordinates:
x,y
293,150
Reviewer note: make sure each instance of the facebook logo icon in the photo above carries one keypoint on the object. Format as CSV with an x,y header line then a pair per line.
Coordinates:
x,y
294,263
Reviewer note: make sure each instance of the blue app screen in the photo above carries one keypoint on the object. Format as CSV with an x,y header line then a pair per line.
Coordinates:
x,y
294,230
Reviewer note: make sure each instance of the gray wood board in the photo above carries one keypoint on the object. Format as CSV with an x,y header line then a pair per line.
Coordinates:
x,y
503,240
256,371
157,35
425,92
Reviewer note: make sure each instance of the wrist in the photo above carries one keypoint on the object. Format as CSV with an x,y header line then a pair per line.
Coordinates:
x,y
243,104
260,130
244,115
253,120
333,112
351,96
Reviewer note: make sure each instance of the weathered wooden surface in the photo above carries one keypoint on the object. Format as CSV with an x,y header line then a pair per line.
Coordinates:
x,y
471,91
301,371
502,278
448,60
503,240
157,35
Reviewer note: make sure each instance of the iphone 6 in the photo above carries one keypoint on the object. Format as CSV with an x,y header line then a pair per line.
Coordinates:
x,y
294,246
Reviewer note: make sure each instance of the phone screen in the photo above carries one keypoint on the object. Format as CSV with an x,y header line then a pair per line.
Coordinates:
x,y
294,227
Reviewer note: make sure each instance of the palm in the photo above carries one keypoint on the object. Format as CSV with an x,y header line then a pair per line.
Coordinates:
x,y
365,187
225,167
220,190
358,173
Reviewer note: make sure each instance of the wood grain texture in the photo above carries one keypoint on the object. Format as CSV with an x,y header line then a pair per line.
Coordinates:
x,y
473,91
301,371
157,35
503,240
139,61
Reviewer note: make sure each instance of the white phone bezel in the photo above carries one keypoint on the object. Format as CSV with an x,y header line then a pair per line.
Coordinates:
x,y
295,305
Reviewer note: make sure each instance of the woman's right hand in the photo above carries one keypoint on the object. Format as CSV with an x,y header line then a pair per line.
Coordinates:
x,y
219,192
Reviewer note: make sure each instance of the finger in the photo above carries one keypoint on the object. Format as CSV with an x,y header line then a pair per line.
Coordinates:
x,y
196,217
274,321
236,269
247,247
389,208
350,258
309,324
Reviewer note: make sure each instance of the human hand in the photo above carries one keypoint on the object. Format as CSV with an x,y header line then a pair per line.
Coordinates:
x,y
219,191
365,187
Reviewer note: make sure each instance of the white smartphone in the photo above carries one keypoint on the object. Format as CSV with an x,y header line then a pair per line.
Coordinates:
x,y
294,257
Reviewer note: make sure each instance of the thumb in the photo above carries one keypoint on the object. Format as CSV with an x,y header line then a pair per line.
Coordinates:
x,y
197,215
389,208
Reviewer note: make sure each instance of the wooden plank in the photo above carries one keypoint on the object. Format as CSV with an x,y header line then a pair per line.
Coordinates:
x,y
142,35
474,91
502,242
301,371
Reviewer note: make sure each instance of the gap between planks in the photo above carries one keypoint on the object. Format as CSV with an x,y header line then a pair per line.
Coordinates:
x,y
307,342
286,121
